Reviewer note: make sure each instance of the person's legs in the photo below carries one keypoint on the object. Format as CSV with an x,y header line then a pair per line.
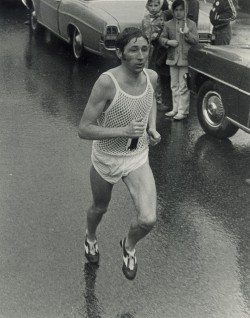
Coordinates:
x,y
183,91
168,92
174,74
141,185
158,94
164,82
28,4
223,36
101,191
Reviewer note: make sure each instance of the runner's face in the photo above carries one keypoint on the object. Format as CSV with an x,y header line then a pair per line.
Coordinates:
x,y
135,54
179,13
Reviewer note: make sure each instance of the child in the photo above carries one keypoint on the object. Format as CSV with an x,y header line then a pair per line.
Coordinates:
x,y
152,26
179,34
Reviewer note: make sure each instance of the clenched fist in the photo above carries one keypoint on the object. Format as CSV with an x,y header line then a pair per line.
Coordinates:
x,y
135,129
154,137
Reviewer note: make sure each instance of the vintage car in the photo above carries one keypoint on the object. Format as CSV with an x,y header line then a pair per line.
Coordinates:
x,y
90,25
220,76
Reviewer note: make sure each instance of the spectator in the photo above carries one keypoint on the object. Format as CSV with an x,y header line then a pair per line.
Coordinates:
x,y
152,26
193,10
162,68
179,34
28,5
221,14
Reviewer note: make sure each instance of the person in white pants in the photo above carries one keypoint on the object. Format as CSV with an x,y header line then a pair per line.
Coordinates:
x,y
178,35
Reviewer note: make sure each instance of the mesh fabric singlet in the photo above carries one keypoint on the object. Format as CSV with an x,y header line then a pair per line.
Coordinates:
x,y
122,110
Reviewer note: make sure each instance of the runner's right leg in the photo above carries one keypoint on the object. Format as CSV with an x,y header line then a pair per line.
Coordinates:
x,y
101,191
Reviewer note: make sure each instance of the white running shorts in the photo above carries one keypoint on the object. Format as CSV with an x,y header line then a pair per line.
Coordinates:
x,y
112,168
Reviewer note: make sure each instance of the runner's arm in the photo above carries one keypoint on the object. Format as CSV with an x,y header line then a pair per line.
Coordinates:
x,y
155,137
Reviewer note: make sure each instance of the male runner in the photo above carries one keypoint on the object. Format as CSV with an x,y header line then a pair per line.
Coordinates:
x,y
120,117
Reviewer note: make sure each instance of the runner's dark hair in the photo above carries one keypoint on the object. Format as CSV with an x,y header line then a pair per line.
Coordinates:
x,y
127,35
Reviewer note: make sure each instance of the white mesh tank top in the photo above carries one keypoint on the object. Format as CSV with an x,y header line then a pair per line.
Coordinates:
x,y
122,110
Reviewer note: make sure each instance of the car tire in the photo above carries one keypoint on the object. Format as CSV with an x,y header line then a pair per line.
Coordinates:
x,y
34,25
77,45
212,112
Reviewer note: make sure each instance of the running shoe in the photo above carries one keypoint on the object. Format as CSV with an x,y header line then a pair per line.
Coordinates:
x,y
180,117
129,266
170,114
91,251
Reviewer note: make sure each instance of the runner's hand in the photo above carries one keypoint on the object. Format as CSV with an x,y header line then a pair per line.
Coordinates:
x,y
135,129
154,137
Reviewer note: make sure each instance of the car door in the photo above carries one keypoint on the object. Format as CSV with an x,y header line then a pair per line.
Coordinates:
x,y
48,13
244,98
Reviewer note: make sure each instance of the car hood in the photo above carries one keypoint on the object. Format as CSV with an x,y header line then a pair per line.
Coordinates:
x,y
227,63
239,54
122,12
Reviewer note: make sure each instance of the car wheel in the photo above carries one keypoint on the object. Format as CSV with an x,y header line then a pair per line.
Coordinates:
x,y
77,45
212,113
35,27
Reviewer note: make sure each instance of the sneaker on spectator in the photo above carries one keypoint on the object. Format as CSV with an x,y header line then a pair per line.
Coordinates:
x,y
180,117
129,266
91,251
171,114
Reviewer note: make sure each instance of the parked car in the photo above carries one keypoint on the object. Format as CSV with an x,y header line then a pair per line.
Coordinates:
x,y
220,76
88,25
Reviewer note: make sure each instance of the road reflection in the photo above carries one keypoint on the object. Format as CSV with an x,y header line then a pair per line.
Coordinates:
x,y
61,85
223,169
93,307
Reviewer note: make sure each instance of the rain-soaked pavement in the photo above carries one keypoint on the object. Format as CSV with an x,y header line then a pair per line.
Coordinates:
x,y
196,261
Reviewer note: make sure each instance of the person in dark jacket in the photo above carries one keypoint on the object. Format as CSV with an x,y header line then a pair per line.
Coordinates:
x,y
221,14
193,10
28,5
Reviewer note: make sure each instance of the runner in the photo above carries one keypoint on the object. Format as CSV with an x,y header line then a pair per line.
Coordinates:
x,y
120,117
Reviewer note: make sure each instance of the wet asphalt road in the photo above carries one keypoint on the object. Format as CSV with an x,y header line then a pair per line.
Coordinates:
x,y
196,261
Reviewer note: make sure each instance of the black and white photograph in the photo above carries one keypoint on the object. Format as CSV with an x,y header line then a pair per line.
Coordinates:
x,y
125,159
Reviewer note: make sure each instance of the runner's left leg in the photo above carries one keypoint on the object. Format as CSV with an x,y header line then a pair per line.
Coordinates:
x,y
141,185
